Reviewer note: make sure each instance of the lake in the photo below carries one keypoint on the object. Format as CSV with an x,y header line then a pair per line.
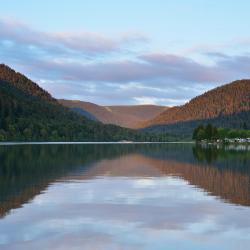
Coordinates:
x,y
124,196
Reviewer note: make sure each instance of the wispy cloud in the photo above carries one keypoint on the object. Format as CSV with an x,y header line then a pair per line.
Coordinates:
x,y
81,42
94,67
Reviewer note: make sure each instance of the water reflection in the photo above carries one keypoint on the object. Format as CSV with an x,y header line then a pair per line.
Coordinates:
x,y
124,197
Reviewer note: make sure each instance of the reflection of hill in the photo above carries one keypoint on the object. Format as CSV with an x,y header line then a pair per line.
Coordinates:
x,y
21,198
131,165
229,185
25,171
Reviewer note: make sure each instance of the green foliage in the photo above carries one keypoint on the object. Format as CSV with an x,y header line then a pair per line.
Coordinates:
x,y
210,132
234,121
199,133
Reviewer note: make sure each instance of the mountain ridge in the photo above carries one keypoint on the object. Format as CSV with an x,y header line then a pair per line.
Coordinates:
x,y
225,100
24,84
128,116
27,112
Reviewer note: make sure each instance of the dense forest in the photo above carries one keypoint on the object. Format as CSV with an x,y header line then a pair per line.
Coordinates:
x,y
220,103
28,113
210,132
237,121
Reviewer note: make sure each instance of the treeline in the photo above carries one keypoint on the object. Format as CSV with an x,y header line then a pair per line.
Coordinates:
x,y
210,132
236,121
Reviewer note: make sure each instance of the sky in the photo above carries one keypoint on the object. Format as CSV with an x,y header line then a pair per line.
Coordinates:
x,y
127,52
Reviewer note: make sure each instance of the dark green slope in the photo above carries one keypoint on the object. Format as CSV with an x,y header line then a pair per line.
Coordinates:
x,y
21,82
24,117
29,113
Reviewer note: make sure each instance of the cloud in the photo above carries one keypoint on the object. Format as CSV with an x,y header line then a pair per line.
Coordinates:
x,y
142,68
153,78
240,65
154,100
61,42
98,68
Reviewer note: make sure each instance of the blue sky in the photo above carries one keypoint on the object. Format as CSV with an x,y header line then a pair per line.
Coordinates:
x,y
127,52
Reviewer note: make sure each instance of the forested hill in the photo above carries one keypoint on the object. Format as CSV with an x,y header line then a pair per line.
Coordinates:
x,y
23,83
25,118
223,101
28,113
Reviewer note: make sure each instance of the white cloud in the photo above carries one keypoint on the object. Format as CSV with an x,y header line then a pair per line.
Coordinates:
x,y
98,68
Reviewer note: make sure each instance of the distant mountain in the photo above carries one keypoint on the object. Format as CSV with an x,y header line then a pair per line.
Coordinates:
x,y
228,105
29,113
124,116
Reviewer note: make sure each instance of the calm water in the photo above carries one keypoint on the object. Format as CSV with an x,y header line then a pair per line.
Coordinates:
x,y
156,196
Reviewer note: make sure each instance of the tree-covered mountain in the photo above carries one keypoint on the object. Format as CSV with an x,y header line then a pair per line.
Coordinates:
x,y
226,100
21,82
227,106
28,113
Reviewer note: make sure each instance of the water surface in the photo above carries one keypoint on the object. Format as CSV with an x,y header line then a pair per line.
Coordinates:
x,y
150,196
